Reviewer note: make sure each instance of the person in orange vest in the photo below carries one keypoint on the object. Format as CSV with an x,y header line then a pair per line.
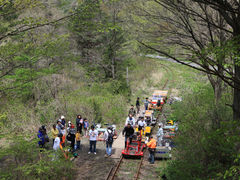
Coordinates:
x,y
151,147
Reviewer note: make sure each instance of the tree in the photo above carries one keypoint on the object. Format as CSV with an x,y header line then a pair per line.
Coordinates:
x,y
27,51
209,34
99,35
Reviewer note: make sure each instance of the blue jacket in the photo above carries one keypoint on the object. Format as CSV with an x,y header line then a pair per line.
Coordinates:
x,y
41,138
63,122
85,124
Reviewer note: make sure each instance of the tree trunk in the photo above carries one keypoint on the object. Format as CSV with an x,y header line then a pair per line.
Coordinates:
x,y
114,44
218,94
217,88
236,96
218,91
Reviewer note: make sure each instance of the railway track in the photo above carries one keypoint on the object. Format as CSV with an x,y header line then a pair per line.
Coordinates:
x,y
138,163
115,169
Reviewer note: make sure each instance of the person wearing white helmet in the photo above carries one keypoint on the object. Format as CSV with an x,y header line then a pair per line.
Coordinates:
x,y
159,135
63,121
69,125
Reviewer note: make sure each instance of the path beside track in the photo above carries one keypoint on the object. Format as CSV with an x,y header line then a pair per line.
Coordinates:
x,y
91,167
138,169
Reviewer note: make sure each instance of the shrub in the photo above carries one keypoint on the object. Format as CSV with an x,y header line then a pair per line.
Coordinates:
x,y
23,160
202,150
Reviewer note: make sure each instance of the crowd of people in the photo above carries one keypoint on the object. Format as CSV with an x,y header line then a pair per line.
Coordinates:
x,y
63,132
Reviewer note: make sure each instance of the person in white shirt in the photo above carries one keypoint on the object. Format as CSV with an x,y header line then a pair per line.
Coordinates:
x,y
141,123
130,119
56,144
160,135
63,131
93,134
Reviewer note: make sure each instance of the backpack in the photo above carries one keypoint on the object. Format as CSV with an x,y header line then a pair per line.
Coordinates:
x,y
110,138
69,137
131,122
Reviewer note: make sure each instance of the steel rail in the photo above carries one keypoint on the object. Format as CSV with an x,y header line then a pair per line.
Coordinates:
x,y
112,174
109,177
164,86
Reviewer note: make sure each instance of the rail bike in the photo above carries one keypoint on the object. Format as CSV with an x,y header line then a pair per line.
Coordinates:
x,y
101,130
135,148
159,98
149,118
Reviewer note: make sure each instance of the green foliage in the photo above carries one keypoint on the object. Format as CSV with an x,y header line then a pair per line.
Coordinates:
x,y
100,38
23,63
232,172
223,53
96,103
202,150
3,118
23,160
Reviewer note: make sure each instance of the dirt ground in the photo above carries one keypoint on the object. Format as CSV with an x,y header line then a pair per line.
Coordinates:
x,y
91,166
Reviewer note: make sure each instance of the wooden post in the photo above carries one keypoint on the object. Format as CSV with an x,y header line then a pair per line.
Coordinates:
x,y
127,77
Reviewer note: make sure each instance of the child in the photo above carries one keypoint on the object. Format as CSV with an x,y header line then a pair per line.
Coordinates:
x,y
85,125
63,136
78,139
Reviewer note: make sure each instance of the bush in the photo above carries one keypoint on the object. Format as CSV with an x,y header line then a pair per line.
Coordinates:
x,y
202,150
23,160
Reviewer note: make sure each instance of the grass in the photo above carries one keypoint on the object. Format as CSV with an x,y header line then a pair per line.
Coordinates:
x,y
182,80
148,76
128,168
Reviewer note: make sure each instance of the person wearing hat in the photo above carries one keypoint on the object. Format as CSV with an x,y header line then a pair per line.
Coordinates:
x,y
151,148
159,135
63,121
68,127
108,138
128,131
